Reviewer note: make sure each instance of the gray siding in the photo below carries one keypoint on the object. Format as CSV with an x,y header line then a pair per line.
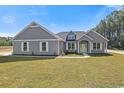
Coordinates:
x,y
61,47
84,38
34,33
96,37
99,39
34,47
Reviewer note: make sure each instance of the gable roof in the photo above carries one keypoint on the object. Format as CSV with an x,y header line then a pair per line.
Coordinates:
x,y
95,33
35,24
79,34
100,35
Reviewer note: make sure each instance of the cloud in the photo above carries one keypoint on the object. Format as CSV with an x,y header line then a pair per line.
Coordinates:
x,y
53,25
6,35
34,11
8,19
115,7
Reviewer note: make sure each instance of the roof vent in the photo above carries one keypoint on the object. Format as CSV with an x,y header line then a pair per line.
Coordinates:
x,y
33,24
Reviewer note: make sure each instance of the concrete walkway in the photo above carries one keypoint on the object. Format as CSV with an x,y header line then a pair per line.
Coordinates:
x,y
5,53
116,51
73,57
50,56
10,54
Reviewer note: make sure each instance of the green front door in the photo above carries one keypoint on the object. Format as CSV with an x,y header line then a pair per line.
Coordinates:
x,y
83,47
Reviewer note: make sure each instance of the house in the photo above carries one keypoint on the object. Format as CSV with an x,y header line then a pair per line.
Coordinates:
x,y
35,39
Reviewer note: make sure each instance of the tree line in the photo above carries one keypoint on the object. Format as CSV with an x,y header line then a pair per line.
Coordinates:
x,y
112,27
5,41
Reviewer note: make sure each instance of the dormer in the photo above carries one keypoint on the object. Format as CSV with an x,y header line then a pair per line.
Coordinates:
x,y
71,36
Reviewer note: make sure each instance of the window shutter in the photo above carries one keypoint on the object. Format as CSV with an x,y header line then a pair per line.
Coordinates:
x,y
47,47
40,46
100,46
27,46
22,46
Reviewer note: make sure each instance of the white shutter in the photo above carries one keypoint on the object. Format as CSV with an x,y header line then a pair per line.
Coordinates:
x,y
100,46
27,46
66,46
40,46
22,46
47,47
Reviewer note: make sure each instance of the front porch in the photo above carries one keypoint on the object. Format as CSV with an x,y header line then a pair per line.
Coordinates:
x,y
85,47
78,47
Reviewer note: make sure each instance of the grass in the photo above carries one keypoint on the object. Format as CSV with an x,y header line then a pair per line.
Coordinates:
x,y
96,71
73,55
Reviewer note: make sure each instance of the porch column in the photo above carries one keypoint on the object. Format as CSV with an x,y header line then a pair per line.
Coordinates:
x,y
106,47
58,47
90,46
66,45
78,47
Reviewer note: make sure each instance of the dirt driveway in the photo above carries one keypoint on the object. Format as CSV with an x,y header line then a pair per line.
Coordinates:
x,y
5,50
116,51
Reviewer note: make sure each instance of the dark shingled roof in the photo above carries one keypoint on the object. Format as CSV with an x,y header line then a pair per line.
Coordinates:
x,y
79,34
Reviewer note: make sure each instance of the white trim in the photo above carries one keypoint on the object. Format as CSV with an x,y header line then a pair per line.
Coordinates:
x,y
38,40
22,46
40,47
40,27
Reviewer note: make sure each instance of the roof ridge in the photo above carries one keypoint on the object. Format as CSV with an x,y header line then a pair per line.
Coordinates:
x,y
72,31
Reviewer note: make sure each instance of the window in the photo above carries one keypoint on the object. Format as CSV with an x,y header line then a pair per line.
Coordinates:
x,y
71,46
43,46
71,37
96,46
25,46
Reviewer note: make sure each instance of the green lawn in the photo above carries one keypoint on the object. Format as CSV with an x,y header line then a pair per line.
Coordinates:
x,y
96,71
